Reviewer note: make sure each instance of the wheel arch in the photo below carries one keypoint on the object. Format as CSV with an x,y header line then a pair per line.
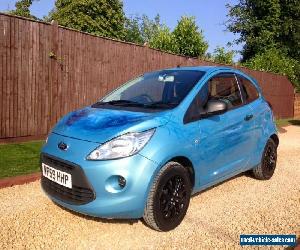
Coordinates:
x,y
275,138
185,162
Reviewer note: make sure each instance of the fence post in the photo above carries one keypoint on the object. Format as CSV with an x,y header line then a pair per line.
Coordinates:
x,y
53,83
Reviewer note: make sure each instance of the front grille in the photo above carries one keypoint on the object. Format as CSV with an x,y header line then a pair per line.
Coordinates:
x,y
51,161
81,191
75,195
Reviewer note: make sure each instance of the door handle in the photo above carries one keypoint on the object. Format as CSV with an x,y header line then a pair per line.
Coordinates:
x,y
248,117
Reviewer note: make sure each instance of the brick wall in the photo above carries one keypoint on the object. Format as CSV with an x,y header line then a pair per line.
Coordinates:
x,y
297,106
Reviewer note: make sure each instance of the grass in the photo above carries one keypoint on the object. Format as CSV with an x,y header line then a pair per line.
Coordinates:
x,y
19,158
288,121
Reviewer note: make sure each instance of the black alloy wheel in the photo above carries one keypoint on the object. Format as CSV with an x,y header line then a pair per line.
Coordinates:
x,y
169,197
172,198
266,169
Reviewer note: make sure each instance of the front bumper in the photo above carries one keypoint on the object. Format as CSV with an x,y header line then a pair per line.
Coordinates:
x,y
109,200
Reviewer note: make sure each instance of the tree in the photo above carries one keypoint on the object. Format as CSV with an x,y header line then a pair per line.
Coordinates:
x,y
99,17
149,28
141,29
220,55
290,29
208,57
270,30
22,9
164,40
276,61
257,22
132,30
186,39
267,24
189,39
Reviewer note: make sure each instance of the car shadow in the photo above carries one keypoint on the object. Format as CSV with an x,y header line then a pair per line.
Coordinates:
x,y
246,174
295,122
97,219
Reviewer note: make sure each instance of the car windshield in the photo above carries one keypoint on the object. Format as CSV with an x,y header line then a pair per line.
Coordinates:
x,y
161,89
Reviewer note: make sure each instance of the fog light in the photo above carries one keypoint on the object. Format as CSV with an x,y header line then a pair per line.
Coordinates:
x,y
122,181
115,184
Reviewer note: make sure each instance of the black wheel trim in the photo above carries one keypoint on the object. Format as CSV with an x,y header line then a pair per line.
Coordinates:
x,y
270,157
173,198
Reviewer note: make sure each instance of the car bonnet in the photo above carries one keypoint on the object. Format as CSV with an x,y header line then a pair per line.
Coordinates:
x,y
100,125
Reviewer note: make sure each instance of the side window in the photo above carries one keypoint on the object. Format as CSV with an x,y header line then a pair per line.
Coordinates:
x,y
221,87
196,108
250,91
225,87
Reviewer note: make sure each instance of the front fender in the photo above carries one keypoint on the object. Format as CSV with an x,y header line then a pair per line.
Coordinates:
x,y
167,143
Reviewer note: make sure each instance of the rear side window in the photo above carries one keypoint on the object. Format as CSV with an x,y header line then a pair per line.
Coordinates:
x,y
224,87
250,91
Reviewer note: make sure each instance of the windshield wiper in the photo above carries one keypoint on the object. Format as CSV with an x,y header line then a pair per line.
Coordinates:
x,y
128,103
161,105
120,103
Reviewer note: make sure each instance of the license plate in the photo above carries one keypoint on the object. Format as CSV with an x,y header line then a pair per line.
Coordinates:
x,y
60,177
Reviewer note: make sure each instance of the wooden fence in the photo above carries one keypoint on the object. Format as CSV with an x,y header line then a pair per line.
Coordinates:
x,y
47,71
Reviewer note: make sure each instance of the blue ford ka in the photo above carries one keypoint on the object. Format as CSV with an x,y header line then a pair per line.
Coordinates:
x,y
142,150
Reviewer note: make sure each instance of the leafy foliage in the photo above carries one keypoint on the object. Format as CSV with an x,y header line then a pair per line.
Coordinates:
x,y
149,28
22,9
290,28
99,17
189,39
141,29
220,55
164,40
257,22
132,30
270,30
186,39
276,61
266,24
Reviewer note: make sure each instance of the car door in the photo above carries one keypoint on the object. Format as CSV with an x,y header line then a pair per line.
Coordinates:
x,y
223,139
252,99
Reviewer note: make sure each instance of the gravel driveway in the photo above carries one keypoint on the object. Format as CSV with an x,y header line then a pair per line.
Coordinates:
x,y
215,219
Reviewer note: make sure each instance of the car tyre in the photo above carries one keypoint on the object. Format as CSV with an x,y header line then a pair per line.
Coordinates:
x,y
265,170
169,197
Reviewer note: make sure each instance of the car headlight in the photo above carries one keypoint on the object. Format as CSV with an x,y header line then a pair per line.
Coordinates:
x,y
121,146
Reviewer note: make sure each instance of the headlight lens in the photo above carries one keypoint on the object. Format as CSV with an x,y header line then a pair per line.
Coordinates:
x,y
122,146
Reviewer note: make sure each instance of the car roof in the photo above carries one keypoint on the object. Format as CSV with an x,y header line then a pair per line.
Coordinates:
x,y
206,69
210,69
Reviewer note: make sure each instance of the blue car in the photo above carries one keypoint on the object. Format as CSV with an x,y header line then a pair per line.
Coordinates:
x,y
145,148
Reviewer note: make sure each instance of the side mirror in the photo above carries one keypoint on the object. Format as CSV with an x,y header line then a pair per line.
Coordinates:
x,y
215,107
